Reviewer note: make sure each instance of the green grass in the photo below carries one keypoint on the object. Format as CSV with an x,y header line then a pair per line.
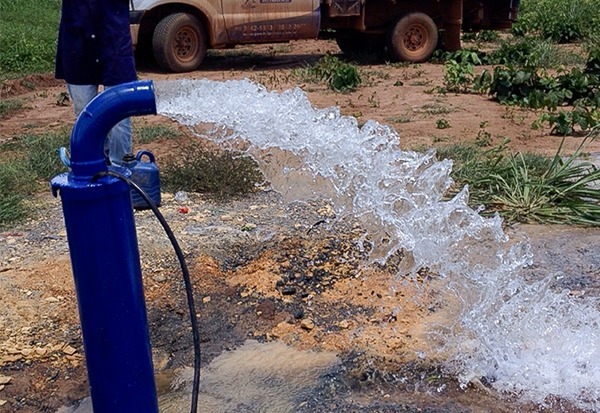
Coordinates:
x,y
526,187
9,106
560,21
28,163
146,134
28,33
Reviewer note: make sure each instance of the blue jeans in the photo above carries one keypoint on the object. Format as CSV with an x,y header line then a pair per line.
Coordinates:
x,y
118,143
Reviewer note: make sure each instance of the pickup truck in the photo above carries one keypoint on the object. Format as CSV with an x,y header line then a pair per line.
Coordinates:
x,y
178,32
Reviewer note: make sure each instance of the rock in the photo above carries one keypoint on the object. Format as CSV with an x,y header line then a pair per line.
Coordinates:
x,y
69,350
307,324
206,299
289,290
344,324
5,379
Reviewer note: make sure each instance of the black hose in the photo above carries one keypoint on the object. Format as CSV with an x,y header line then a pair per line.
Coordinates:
x,y
186,280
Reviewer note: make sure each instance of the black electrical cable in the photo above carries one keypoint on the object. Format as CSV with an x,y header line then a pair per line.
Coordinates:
x,y
186,280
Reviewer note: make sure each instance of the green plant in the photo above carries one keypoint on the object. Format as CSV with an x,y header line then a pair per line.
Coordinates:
x,y
564,193
41,153
559,21
9,106
442,124
339,76
459,76
528,188
208,170
578,119
27,36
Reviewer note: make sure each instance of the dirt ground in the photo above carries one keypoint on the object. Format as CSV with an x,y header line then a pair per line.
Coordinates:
x,y
288,279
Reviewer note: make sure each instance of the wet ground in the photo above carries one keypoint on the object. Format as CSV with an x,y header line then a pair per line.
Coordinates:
x,y
296,282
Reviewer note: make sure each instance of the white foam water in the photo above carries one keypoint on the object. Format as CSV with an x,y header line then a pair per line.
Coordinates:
x,y
524,337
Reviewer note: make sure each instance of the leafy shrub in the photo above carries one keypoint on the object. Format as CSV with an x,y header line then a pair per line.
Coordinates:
x,y
460,75
208,170
559,21
528,188
340,76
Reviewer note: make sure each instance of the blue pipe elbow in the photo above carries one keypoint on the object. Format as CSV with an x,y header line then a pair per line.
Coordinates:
x,y
98,118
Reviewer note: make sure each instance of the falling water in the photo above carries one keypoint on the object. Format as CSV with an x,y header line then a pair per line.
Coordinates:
x,y
524,337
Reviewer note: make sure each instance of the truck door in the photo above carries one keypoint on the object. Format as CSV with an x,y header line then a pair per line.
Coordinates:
x,y
266,21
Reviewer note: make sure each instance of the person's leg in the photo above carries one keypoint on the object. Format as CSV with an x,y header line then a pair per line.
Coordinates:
x,y
119,140
81,95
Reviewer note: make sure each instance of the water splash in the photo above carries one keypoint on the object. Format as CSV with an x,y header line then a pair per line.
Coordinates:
x,y
523,337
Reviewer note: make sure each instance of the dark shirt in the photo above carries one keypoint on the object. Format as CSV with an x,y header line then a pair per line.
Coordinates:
x,y
94,43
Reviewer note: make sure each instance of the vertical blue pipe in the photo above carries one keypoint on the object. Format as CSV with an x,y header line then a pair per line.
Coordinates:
x,y
105,258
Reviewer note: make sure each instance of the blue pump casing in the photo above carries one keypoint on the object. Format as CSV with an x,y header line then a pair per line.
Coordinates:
x,y
105,258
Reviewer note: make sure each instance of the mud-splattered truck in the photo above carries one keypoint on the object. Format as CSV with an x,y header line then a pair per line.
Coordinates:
x,y
178,32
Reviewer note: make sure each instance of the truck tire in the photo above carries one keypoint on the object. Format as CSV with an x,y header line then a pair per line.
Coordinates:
x,y
179,43
413,38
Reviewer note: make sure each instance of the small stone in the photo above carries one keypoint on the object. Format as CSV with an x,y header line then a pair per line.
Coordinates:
x,y
3,402
344,324
69,350
298,313
248,226
206,299
27,352
307,324
51,299
289,290
5,379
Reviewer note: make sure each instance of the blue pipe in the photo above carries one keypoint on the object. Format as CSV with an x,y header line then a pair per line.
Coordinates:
x,y
99,117
105,259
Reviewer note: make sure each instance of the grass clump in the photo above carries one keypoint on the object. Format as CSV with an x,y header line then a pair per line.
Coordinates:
x,y
339,76
529,188
9,106
210,170
29,163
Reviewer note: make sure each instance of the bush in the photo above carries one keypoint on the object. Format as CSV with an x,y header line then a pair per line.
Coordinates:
x,y
340,76
559,21
214,171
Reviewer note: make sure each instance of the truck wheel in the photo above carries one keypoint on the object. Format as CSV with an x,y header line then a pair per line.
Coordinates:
x,y
179,43
413,38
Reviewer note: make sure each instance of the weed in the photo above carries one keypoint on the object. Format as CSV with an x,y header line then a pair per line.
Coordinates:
x,y
9,107
435,109
459,76
373,101
528,188
339,76
30,161
218,172
442,124
560,21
